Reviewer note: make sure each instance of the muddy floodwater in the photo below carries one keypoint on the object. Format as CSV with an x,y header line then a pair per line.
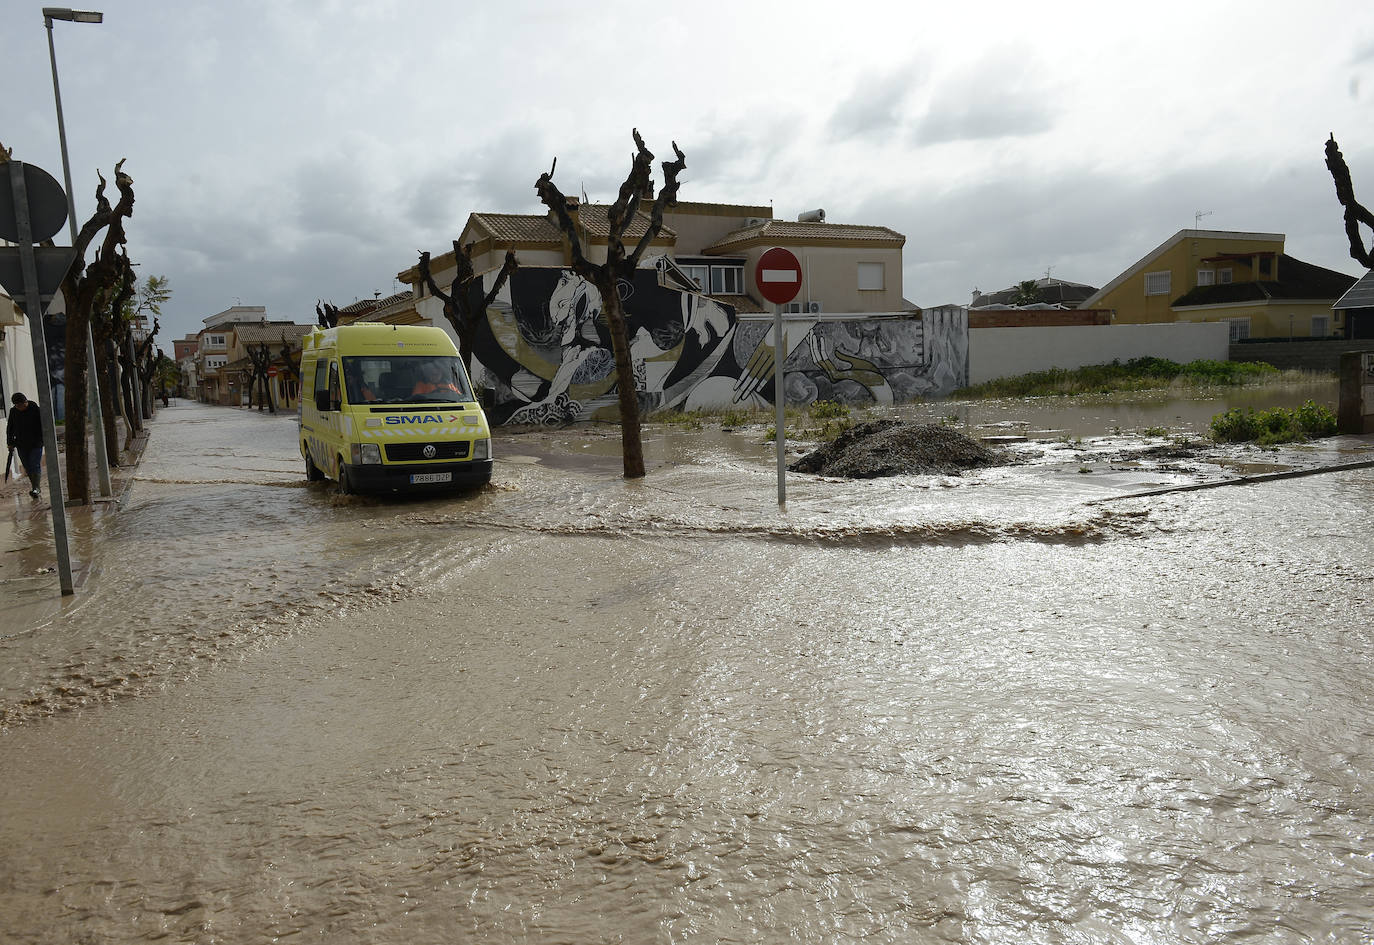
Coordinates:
x,y
1019,705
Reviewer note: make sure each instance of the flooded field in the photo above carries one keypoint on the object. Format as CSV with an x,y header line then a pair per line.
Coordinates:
x,y
1014,706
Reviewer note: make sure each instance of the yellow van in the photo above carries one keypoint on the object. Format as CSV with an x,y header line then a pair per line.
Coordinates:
x,y
390,408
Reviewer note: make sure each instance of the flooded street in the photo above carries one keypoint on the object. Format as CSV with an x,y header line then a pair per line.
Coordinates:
x,y
1015,706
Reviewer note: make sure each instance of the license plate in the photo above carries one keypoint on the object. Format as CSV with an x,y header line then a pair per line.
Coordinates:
x,y
417,478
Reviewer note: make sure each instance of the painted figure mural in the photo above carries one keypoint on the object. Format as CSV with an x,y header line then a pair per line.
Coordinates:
x,y
545,352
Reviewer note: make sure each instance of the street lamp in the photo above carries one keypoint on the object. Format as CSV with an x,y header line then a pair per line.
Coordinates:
x,y
102,461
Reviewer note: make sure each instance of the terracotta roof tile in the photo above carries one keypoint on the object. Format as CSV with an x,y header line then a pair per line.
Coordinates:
x,y
783,231
519,227
271,333
595,218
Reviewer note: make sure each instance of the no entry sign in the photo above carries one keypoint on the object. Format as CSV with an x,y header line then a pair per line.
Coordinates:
x,y
778,276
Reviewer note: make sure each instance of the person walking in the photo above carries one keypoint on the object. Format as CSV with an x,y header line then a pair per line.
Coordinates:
x,y
24,434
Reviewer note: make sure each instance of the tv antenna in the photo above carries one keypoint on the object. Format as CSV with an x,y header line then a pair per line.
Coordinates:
x,y
1197,217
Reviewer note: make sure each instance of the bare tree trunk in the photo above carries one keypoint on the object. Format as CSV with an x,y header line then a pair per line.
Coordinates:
x,y
126,390
632,447
637,186
78,457
106,372
1355,212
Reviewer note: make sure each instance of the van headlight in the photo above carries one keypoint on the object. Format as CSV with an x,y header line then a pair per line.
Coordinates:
x,y
369,454
481,449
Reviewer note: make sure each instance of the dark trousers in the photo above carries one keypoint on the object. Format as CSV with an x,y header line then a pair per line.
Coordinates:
x,y
32,459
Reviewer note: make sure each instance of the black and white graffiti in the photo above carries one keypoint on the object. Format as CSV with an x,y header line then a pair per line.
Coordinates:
x,y
545,351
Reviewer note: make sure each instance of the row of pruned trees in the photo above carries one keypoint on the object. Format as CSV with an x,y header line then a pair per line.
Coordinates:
x,y
103,296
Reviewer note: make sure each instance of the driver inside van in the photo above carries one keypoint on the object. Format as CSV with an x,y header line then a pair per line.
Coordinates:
x,y
358,390
431,380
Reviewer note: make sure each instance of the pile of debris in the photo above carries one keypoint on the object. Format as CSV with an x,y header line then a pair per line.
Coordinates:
x,y
891,447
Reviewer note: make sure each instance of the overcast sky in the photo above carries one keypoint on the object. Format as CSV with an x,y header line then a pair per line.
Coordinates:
x,y
286,151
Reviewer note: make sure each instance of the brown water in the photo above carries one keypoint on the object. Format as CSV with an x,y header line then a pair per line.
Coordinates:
x,y
570,708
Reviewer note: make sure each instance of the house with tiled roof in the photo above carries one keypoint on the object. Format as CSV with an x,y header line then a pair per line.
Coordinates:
x,y
1051,292
845,267
1241,278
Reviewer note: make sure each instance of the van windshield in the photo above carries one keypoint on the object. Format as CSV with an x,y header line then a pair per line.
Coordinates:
x,y
405,379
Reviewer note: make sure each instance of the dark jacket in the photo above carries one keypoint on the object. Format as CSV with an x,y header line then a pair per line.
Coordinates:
x,y
24,429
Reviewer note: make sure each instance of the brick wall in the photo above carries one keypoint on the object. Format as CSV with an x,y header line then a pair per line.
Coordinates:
x,y
1038,318
1299,355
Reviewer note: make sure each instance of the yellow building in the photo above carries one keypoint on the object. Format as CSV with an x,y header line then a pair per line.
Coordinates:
x,y
1244,279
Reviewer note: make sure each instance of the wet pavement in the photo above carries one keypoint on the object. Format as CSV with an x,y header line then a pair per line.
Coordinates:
x,y
1024,704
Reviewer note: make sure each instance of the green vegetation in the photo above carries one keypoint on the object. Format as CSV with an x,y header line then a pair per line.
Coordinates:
x,y
1155,431
1276,425
1136,374
827,409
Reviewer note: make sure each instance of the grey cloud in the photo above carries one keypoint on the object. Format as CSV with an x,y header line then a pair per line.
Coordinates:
x,y
1091,226
875,105
1000,95
741,162
978,120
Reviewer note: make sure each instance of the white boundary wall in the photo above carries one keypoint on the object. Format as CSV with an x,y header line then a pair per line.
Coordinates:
x,y
1008,352
16,363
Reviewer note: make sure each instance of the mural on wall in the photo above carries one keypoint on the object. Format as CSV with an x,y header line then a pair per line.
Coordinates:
x,y
545,351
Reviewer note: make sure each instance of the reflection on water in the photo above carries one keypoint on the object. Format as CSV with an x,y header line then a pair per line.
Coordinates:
x,y
571,708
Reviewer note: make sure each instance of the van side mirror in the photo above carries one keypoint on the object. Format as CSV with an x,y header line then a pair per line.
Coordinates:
x,y
322,401
488,398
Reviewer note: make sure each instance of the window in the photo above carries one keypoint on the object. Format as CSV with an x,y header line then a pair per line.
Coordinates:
x,y
321,377
1321,326
1206,277
1240,329
727,280
1158,283
1224,276
870,276
699,274
214,341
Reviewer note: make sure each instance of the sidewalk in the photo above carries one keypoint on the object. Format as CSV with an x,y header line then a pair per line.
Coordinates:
x,y
30,590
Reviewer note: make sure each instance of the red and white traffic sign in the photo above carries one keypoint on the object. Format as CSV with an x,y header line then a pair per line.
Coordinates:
x,y
778,276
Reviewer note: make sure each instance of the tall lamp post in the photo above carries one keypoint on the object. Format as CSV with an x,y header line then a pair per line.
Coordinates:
x,y
93,388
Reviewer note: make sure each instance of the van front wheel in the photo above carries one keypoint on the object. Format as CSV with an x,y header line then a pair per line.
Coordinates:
x,y
345,486
312,472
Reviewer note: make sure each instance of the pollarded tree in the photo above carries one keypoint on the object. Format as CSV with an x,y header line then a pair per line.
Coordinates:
x,y
1355,212
167,376
83,286
145,364
619,266
291,359
326,314
260,357
458,307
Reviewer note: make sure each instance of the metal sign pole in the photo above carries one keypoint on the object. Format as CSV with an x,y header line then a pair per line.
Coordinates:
x,y
780,437
33,310
93,406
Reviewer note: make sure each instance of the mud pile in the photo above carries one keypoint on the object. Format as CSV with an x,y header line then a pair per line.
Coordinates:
x,y
891,447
